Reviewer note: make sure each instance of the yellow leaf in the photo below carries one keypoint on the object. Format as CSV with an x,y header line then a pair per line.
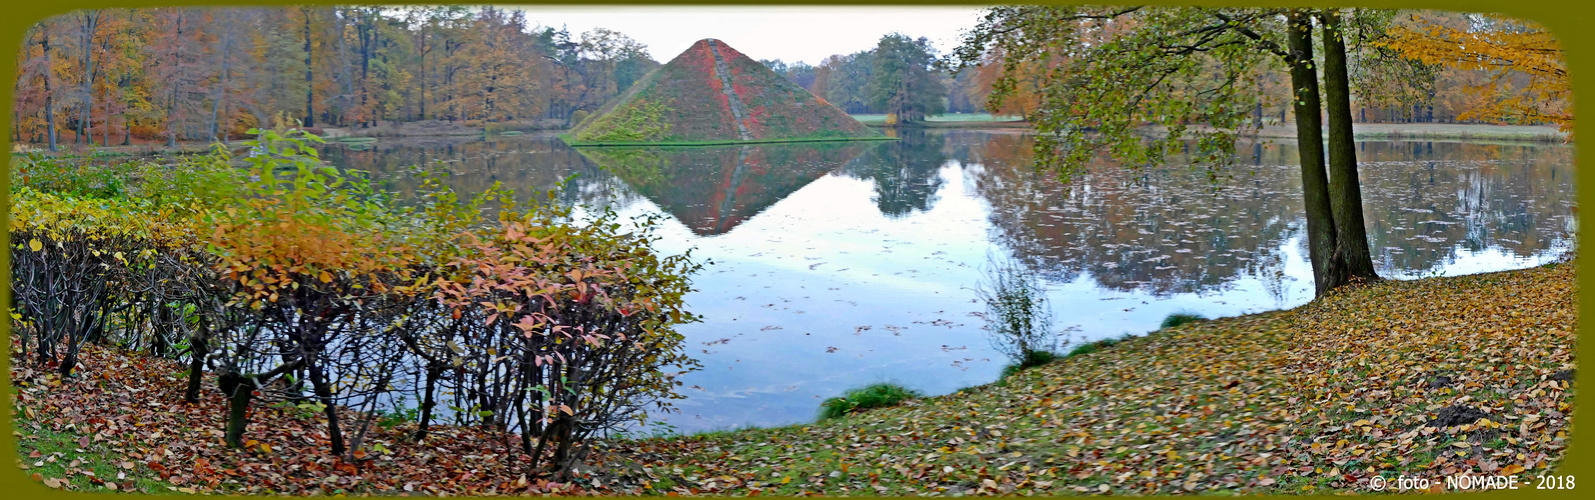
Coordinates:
x,y
35,245
325,278
787,479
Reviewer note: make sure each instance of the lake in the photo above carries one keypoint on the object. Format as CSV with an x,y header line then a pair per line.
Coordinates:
x,y
837,265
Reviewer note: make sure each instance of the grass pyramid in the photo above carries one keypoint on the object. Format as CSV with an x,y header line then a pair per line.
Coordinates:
x,y
713,94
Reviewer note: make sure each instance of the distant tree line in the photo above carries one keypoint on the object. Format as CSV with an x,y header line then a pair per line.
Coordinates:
x,y
110,76
1435,67
900,76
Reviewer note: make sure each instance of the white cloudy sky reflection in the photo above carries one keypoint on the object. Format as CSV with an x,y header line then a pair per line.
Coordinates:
x,y
790,33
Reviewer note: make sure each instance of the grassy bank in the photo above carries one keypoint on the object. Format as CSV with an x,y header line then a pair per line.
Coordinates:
x,y
1451,132
951,120
689,144
1369,381
1459,132
1380,379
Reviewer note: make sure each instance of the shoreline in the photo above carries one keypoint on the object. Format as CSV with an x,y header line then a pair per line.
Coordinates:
x,y
1385,376
692,144
1514,134
1445,132
1278,402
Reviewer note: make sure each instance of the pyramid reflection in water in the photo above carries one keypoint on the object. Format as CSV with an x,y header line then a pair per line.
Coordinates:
x,y
713,189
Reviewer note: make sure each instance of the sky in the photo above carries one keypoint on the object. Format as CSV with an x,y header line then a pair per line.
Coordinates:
x,y
789,33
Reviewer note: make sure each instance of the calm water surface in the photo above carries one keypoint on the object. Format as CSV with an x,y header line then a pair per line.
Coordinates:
x,y
839,265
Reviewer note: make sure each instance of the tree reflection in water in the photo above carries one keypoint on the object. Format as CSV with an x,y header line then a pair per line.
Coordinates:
x,y
1169,230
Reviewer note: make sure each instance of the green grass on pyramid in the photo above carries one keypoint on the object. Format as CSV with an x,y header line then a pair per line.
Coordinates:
x,y
713,94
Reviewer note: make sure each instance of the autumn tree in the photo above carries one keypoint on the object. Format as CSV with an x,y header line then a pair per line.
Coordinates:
x,y
843,80
1502,48
906,83
36,83
208,74
1018,88
1193,71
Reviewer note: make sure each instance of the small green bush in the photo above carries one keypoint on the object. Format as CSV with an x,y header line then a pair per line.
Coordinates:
x,y
397,417
1086,348
873,396
1018,315
1090,347
1181,318
1031,359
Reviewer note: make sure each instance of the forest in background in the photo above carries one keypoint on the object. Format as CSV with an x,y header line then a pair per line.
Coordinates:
x,y
125,76
201,74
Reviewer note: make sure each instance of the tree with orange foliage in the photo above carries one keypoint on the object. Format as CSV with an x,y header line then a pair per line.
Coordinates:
x,y
1006,91
311,258
1508,50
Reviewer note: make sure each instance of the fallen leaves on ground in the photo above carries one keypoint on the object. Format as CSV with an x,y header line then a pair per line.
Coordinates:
x,y
1431,377
1315,399
122,425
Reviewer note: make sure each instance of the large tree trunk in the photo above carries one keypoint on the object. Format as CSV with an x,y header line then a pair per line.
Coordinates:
x,y
367,39
91,21
310,111
240,389
1345,191
221,89
177,81
1328,272
424,83
198,349
49,98
239,392
105,134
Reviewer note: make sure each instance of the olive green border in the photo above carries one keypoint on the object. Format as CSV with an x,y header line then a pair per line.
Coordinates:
x,y
1570,20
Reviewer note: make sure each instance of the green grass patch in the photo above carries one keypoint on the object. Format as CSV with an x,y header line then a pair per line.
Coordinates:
x,y
47,454
876,118
1084,349
972,117
1032,359
1090,347
873,396
1181,318
356,140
